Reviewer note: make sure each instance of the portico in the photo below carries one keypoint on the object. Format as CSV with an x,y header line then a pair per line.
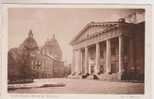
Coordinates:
x,y
103,49
91,57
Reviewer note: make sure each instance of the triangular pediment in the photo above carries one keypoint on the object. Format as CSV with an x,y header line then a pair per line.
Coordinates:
x,y
92,29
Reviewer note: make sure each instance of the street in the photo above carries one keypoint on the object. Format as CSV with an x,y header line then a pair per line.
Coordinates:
x,y
84,86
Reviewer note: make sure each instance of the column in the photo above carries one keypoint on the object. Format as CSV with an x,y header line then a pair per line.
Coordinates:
x,y
86,59
97,67
120,54
80,60
108,56
76,61
73,62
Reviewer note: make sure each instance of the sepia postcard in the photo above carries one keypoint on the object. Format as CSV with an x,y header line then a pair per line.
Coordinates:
x,y
95,51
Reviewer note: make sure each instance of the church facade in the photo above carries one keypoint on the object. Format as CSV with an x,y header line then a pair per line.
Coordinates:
x,y
109,50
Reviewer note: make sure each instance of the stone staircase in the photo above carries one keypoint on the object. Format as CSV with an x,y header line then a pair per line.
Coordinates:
x,y
107,77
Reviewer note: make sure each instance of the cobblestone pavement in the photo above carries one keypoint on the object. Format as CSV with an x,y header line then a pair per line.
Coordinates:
x,y
84,86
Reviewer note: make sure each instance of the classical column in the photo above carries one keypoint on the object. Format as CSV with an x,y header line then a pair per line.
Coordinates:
x,y
73,62
89,69
80,60
97,58
108,56
76,59
120,54
86,59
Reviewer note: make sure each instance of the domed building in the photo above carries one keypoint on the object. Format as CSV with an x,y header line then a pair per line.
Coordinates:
x,y
19,59
48,62
29,43
30,60
52,48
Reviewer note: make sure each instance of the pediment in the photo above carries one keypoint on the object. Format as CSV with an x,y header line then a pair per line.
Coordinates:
x,y
91,30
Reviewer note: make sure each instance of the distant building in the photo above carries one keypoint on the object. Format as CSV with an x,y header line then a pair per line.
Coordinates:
x,y
110,50
43,62
47,62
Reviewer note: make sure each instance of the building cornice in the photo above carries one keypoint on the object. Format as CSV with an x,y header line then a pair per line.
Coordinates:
x,y
108,25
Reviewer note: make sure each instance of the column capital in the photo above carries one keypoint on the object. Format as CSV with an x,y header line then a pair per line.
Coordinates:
x,y
74,50
86,46
120,35
97,42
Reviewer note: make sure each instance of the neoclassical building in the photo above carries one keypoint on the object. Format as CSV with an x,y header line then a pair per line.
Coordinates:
x,y
110,50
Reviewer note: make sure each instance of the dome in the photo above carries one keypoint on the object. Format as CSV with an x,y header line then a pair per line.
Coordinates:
x,y
52,48
29,43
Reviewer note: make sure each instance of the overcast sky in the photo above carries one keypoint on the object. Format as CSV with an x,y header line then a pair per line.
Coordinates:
x,y
64,23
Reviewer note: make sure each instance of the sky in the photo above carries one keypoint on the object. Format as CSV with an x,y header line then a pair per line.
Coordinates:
x,y
65,23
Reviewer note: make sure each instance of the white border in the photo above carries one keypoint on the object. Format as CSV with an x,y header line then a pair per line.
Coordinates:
x,y
74,1
0,49
148,34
